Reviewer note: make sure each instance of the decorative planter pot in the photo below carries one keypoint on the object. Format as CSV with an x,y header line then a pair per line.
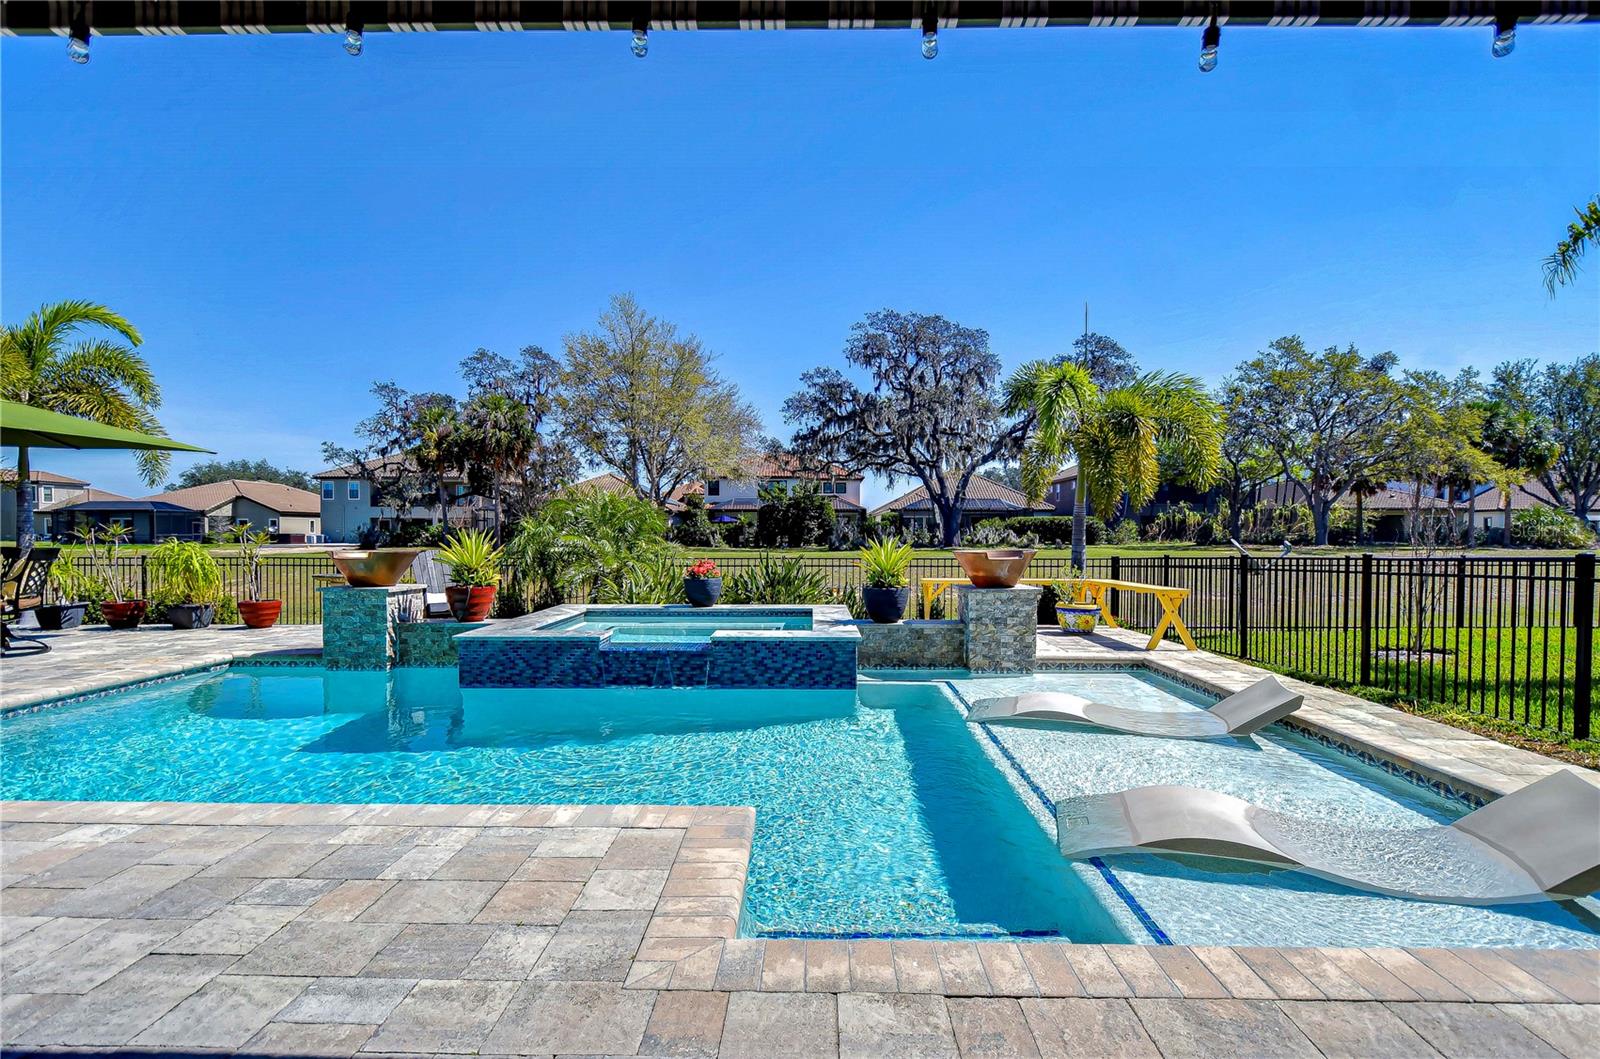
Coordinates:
x,y
260,613
470,603
378,568
702,591
995,567
191,615
885,605
1077,618
125,615
53,616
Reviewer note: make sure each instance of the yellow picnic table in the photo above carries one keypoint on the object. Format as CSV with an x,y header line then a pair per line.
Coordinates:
x,y
1094,591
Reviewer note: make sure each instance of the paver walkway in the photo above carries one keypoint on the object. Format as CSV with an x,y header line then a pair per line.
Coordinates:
x,y
336,930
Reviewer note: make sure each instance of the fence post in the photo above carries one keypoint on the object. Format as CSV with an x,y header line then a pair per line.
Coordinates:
x,y
1242,605
1116,575
1366,619
1583,620
1461,593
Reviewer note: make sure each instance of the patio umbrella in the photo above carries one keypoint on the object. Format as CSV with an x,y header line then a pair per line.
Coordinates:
x,y
35,428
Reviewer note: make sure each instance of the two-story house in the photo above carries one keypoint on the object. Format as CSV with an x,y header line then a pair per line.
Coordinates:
x,y
736,495
349,509
49,492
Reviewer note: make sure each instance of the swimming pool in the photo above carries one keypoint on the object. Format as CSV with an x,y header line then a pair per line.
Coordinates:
x,y
880,811
681,627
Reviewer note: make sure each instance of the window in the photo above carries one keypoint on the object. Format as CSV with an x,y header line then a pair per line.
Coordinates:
x,y
47,493
714,487
241,522
353,489
327,490
272,525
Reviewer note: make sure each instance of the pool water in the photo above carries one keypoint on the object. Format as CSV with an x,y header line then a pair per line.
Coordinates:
x,y
876,814
880,811
679,627
1208,901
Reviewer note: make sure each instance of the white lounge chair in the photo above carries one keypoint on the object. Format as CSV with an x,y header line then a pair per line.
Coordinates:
x,y
1241,713
433,576
1541,841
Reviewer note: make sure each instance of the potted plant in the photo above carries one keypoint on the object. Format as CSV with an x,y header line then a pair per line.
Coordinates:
x,y
255,612
102,546
885,565
1075,615
474,564
188,583
702,583
72,588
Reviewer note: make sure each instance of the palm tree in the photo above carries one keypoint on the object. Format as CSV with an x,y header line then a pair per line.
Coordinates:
x,y
1561,267
500,440
55,360
437,440
1118,436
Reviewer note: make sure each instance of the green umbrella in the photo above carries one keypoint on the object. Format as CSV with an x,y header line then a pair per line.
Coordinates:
x,y
35,428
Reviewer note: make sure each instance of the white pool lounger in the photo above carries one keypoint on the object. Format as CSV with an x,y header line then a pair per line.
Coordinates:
x,y
1541,841
1241,713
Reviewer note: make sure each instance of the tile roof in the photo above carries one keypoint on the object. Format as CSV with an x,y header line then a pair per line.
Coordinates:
x,y
9,474
284,499
90,495
983,494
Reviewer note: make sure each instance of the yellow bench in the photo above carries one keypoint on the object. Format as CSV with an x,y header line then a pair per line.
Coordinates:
x,y
1094,591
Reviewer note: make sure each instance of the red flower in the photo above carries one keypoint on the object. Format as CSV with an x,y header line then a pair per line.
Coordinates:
x,y
702,569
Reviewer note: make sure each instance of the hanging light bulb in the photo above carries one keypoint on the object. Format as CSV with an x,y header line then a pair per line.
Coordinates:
x,y
352,39
78,48
930,38
1209,40
1505,36
641,38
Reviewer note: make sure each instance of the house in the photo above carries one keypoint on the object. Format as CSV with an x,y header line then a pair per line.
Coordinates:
x,y
48,489
737,495
986,498
1489,505
291,515
145,521
348,511
1062,493
1387,512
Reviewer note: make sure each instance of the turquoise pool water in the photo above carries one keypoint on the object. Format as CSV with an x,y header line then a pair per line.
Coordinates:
x,y
876,814
879,811
677,627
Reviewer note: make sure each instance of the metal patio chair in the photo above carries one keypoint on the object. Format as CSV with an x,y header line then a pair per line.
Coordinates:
x,y
21,590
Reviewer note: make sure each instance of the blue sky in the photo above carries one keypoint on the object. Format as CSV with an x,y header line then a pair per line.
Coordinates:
x,y
287,224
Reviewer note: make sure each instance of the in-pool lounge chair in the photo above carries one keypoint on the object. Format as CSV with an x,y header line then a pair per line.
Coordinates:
x,y
1540,841
1241,713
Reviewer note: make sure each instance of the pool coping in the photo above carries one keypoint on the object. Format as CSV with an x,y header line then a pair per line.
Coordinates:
x,y
828,621
701,952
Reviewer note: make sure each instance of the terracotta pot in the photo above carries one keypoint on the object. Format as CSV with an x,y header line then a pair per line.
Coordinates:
x,y
379,568
260,613
702,591
125,615
470,603
996,567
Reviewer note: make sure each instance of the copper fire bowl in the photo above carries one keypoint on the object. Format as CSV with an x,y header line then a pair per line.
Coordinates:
x,y
996,567
379,568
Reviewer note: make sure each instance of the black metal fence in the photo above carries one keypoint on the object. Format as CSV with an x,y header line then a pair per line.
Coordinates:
x,y
1505,637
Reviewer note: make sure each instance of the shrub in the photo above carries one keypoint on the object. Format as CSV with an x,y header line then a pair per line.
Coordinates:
x,y
1124,532
778,581
652,579
1546,527
740,533
801,518
1049,530
473,559
578,541
182,572
694,528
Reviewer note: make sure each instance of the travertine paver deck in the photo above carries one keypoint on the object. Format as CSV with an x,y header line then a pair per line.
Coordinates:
x,y
600,930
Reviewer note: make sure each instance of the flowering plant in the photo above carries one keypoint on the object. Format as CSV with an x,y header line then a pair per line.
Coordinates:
x,y
702,570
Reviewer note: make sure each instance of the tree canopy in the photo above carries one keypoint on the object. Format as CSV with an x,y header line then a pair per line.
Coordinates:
x,y
243,470
932,411
640,398
1562,402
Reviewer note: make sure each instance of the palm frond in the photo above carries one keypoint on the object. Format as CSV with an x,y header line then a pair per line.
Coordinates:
x,y
1561,267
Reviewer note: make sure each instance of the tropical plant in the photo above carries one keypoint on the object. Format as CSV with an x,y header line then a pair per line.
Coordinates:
x,y
72,584
101,545
774,580
885,563
794,518
578,540
1561,267
250,545
473,559
655,579
182,572
1545,527
59,359
1069,589
1118,437
694,528
702,570
501,438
